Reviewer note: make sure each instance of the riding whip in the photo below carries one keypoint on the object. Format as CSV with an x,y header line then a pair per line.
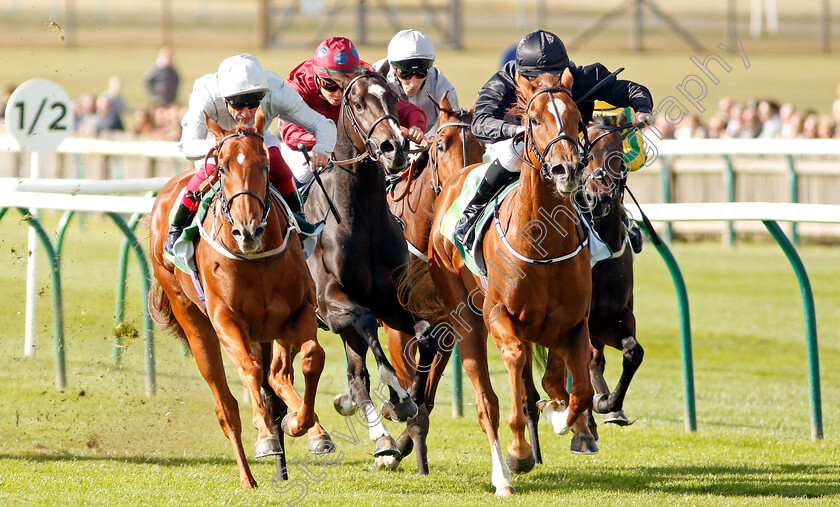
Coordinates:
x,y
302,148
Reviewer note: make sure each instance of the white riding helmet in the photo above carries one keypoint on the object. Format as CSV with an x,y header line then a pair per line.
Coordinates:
x,y
410,45
241,74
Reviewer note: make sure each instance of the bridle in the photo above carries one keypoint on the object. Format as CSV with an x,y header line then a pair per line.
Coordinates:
x,y
542,155
224,200
371,148
435,182
618,181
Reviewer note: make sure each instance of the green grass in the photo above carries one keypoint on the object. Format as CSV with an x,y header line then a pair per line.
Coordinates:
x,y
102,441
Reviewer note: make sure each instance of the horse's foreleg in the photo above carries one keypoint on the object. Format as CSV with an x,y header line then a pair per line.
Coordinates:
x,y
580,399
207,353
402,407
237,346
532,413
514,354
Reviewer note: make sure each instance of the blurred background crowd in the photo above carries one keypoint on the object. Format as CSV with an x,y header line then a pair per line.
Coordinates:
x,y
109,115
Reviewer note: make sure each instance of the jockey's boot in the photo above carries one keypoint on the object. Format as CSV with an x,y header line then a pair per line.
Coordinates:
x,y
494,179
294,202
183,217
635,235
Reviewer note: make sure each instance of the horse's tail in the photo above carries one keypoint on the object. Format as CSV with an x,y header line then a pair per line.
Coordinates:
x,y
417,292
161,311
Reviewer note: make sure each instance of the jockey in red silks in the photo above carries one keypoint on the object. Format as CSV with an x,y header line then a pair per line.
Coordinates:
x,y
231,96
311,79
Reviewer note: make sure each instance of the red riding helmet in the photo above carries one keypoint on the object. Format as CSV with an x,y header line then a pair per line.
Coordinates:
x,y
336,54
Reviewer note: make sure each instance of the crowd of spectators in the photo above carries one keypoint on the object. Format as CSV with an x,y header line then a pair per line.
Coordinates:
x,y
757,119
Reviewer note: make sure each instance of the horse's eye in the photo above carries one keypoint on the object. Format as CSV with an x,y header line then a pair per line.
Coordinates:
x,y
358,106
534,121
440,146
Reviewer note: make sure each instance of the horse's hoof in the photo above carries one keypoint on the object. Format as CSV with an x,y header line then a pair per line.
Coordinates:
x,y
321,444
345,405
505,491
385,446
286,423
556,413
405,444
617,418
267,447
584,444
387,462
520,465
401,412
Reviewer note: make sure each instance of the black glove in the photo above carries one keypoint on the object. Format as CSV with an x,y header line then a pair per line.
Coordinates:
x,y
509,130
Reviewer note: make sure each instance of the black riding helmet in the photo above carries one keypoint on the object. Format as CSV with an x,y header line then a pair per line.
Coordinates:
x,y
541,51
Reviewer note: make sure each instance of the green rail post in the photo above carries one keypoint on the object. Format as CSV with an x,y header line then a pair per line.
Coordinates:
x,y
147,319
685,332
665,184
58,312
793,181
119,299
60,230
810,326
729,183
457,384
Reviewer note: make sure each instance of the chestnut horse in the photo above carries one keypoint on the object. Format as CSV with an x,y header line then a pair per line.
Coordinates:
x,y
539,288
257,290
357,261
611,319
412,200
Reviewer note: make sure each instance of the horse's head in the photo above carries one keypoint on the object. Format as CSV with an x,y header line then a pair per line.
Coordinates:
x,y
455,145
604,177
370,106
242,166
551,119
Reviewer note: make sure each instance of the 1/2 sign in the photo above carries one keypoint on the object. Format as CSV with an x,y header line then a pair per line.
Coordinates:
x,y
39,115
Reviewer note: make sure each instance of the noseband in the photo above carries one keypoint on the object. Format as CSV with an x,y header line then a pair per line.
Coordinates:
x,y
542,155
225,201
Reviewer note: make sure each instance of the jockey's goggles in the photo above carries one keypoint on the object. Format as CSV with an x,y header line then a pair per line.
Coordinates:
x,y
408,74
327,84
249,100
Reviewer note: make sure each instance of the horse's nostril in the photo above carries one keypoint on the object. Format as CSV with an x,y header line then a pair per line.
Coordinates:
x,y
387,146
236,232
259,231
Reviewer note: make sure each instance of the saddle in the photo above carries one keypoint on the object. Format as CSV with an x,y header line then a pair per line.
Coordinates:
x,y
473,255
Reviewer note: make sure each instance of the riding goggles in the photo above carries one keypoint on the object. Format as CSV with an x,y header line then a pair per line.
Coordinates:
x,y
249,100
328,84
408,74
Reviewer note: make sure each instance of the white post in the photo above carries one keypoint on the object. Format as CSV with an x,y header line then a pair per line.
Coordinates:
x,y
755,18
31,267
772,17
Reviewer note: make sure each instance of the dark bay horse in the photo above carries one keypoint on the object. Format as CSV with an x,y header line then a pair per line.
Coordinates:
x,y
357,262
611,319
412,200
257,290
540,292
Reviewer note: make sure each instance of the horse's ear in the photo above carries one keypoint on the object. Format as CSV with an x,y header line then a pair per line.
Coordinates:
x,y
213,127
567,81
259,120
444,102
524,84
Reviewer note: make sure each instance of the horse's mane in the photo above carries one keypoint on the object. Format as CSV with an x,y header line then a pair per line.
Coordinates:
x,y
521,106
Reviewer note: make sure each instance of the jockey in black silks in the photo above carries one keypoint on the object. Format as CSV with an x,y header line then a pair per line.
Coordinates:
x,y
537,53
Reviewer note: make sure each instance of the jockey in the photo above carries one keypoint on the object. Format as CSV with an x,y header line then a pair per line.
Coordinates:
x,y
229,97
413,75
311,79
537,53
